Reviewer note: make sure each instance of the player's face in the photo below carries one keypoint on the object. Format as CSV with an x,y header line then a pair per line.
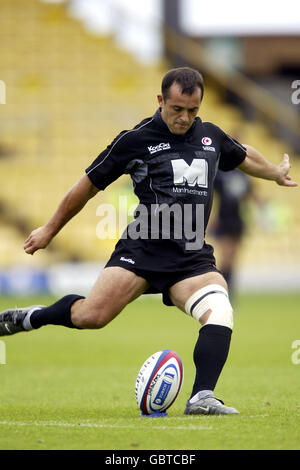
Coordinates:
x,y
179,110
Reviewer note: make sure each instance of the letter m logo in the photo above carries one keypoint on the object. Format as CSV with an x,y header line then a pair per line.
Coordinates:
x,y
194,174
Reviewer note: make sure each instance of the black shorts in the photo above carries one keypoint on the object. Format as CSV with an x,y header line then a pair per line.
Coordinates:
x,y
161,281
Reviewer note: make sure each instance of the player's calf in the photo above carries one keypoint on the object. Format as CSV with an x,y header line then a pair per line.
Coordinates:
x,y
84,314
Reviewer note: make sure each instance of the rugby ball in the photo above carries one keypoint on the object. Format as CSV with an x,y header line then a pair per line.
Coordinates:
x,y
158,382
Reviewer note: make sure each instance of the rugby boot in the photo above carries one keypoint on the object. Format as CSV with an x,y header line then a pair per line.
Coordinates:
x,y
11,321
208,405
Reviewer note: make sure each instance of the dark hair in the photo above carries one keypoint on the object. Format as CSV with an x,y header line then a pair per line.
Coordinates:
x,y
188,79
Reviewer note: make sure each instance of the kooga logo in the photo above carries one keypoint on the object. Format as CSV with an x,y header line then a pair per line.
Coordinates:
x,y
157,148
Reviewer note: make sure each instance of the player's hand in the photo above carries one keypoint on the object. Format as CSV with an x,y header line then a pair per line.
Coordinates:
x,y
283,178
38,239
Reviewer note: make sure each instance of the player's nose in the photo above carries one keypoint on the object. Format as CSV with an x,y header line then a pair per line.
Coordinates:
x,y
184,116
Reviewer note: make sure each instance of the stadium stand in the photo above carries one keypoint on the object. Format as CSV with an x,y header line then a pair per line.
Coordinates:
x,y
68,94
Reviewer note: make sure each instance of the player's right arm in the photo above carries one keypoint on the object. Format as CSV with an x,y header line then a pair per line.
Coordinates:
x,y
72,203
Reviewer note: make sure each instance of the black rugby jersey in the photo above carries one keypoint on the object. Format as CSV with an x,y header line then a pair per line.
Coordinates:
x,y
167,169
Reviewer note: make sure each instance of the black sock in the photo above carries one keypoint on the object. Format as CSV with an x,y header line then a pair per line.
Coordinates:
x,y
58,313
210,354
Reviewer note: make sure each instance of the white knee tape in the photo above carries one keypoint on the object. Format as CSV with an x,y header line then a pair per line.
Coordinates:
x,y
214,298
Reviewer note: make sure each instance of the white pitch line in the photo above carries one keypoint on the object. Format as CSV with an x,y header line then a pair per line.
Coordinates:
x,y
102,426
258,416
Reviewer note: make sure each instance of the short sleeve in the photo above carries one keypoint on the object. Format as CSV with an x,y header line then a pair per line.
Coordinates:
x,y
232,153
111,163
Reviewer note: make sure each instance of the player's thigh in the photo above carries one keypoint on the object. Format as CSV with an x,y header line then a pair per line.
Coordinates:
x,y
113,290
181,291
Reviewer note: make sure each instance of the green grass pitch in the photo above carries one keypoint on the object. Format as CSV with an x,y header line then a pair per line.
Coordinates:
x,y
70,389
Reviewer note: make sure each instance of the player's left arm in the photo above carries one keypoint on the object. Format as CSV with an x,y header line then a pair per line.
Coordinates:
x,y
255,164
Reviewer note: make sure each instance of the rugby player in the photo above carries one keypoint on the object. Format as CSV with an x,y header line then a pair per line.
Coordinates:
x,y
172,157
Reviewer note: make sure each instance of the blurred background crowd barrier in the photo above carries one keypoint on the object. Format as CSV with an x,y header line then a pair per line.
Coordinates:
x,y
77,72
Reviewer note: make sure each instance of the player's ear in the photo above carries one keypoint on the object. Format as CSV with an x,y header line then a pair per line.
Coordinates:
x,y
160,99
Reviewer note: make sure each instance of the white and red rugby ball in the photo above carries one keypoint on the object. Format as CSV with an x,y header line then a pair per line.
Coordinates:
x,y
158,382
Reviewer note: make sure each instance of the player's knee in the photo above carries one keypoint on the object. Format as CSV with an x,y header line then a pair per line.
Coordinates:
x,y
214,299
